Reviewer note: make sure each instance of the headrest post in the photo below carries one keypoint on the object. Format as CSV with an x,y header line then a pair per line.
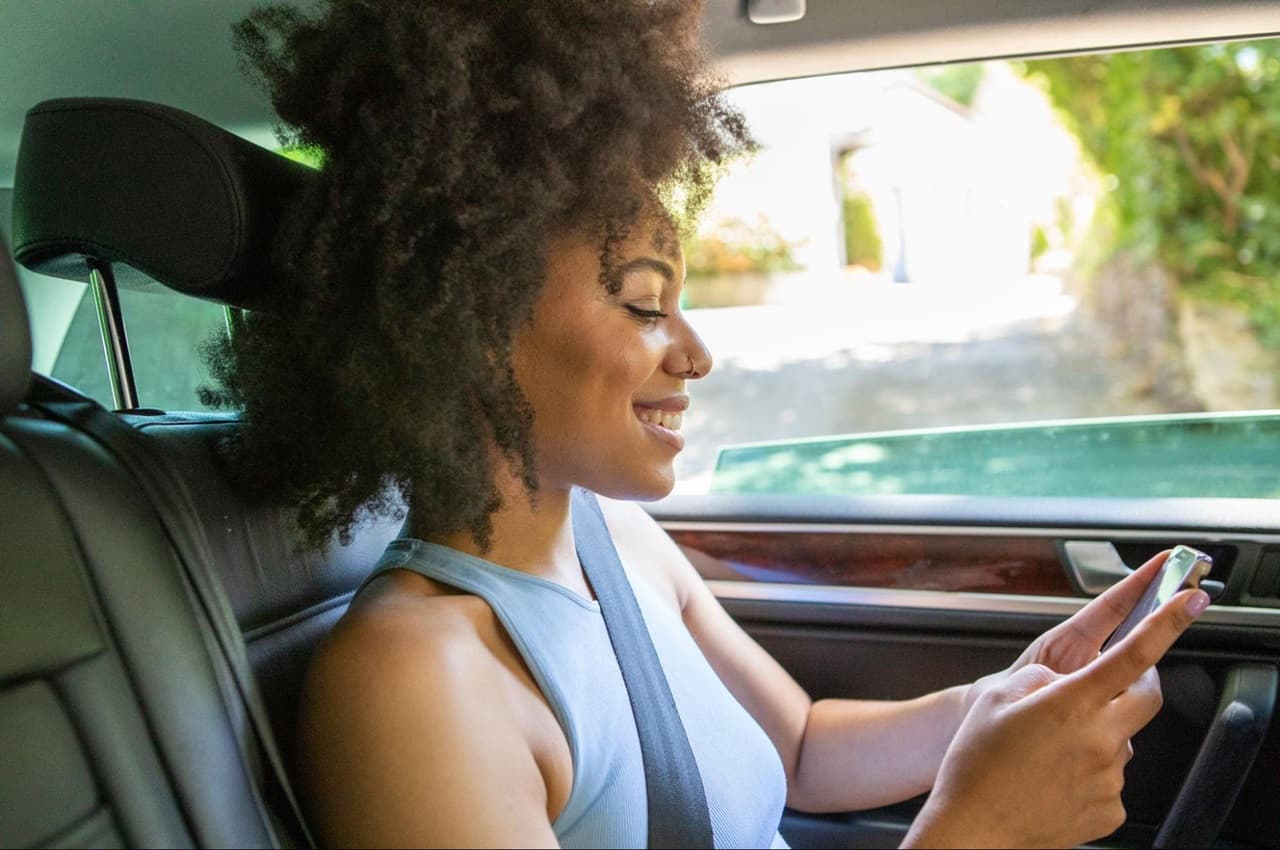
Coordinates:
x,y
232,317
115,345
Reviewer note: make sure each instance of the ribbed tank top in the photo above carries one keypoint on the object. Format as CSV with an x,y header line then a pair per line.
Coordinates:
x,y
563,640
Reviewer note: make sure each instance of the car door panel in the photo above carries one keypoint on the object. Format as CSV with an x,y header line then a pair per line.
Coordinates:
x,y
869,598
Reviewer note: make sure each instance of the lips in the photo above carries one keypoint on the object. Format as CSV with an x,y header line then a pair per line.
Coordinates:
x,y
663,419
678,403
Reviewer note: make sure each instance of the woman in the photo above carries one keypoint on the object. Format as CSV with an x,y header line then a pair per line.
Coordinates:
x,y
484,315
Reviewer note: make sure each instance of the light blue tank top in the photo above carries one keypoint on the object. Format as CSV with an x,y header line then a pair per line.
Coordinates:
x,y
562,638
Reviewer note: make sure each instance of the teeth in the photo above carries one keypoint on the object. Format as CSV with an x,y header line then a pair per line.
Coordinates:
x,y
670,421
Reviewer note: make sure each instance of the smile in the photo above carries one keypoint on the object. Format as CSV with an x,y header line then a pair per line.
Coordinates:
x,y
663,424
670,421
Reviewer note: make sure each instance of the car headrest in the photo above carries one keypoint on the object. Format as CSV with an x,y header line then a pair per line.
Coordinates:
x,y
15,336
162,195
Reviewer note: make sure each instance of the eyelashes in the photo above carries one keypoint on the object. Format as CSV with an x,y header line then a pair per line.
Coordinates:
x,y
649,316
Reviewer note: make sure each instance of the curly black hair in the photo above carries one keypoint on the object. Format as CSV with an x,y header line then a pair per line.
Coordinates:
x,y
457,137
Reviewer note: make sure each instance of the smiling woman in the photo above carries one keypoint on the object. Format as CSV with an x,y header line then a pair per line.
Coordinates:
x,y
605,371
456,140
480,321
479,317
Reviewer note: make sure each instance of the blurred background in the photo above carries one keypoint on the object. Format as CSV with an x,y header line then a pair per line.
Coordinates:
x,y
992,243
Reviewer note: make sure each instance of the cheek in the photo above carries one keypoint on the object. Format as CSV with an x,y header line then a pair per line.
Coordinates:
x,y
577,377
632,364
564,373
607,357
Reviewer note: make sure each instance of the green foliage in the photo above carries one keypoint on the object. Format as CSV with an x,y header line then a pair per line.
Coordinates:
x,y
862,243
307,155
1185,139
737,246
1039,242
958,82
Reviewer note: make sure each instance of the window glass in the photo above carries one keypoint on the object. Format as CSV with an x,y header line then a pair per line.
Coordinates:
x,y
80,360
1013,278
165,332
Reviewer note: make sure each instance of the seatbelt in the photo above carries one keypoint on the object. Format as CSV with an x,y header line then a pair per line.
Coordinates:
x,y
163,489
678,815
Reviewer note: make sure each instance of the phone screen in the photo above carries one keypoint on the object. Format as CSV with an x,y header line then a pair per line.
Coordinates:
x,y
1184,568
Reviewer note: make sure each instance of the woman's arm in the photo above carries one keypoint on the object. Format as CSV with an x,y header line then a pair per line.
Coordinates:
x,y
407,739
1038,761
860,754
839,755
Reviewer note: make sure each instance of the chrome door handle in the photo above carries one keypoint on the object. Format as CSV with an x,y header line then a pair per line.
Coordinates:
x,y
1094,564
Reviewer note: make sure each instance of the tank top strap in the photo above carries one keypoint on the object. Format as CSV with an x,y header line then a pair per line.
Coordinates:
x,y
466,572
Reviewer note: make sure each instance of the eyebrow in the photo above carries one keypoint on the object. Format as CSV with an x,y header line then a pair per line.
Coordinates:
x,y
650,263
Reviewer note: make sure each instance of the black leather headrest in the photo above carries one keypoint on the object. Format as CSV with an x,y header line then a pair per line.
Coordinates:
x,y
15,337
162,194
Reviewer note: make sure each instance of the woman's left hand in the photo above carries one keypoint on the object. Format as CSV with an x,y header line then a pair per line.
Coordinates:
x,y
1074,643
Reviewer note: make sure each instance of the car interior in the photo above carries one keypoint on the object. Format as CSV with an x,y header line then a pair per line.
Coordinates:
x,y
156,622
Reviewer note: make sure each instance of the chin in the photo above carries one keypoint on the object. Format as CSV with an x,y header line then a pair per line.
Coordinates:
x,y
632,486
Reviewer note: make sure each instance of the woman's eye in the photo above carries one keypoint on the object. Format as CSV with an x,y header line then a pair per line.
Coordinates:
x,y
649,316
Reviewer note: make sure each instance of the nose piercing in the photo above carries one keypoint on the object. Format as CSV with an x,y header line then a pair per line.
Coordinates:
x,y
691,371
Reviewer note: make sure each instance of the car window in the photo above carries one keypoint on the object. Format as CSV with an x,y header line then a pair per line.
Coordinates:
x,y
165,331
1056,277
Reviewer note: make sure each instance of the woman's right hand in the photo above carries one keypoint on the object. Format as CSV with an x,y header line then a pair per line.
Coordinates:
x,y
1039,760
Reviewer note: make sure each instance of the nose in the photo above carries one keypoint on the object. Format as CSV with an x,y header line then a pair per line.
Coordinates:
x,y
688,356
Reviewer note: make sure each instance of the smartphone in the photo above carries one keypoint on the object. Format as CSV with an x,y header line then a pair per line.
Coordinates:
x,y
1184,568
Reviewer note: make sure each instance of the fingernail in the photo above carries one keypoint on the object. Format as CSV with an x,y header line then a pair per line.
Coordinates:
x,y
1197,603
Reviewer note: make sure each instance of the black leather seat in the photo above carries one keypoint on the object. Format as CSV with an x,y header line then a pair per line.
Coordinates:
x,y
119,208
115,729
284,600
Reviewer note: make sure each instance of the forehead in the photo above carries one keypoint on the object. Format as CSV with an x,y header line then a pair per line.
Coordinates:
x,y
587,259
652,237
654,248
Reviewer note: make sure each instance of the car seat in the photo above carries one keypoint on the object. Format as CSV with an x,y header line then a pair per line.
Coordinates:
x,y
149,196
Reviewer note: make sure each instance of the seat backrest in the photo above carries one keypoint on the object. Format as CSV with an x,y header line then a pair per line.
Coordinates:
x,y
284,600
115,729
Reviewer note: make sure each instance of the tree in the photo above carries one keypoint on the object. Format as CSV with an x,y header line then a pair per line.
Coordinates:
x,y
1187,137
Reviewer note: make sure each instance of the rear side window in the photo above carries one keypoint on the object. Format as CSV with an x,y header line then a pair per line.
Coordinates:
x,y
165,332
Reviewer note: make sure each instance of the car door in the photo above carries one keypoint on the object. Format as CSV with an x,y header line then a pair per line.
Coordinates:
x,y
946,412
890,598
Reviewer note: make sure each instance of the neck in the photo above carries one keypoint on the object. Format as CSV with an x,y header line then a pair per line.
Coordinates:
x,y
532,538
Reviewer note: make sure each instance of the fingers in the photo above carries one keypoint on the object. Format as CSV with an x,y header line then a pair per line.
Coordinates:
x,y
1028,680
1012,688
1096,621
1123,664
1138,704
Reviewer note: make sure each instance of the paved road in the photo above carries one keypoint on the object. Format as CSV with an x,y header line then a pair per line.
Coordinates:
x,y
884,357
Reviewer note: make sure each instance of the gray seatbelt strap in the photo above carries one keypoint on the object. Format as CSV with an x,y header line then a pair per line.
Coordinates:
x,y
678,815
163,489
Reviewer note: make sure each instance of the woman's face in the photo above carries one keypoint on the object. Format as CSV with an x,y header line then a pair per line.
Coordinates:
x,y
607,374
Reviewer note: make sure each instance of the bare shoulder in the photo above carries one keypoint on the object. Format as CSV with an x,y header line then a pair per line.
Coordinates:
x,y
407,730
648,550
394,632
393,639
